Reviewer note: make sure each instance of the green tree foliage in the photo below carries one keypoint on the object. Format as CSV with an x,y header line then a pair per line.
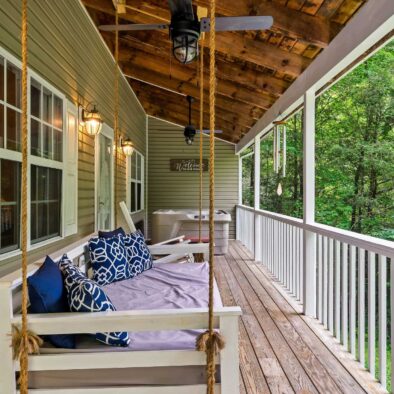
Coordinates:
x,y
248,178
355,149
290,202
354,153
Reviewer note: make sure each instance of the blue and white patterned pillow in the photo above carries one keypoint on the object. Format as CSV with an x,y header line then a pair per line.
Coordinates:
x,y
138,255
109,261
84,295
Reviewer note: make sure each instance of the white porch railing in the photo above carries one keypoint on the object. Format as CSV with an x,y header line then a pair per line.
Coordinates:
x,y
353,280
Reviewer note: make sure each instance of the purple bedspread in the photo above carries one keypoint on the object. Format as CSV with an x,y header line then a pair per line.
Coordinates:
x,y
165,286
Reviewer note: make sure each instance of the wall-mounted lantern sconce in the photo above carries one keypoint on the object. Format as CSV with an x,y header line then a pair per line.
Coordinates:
x,y
92,121
127,146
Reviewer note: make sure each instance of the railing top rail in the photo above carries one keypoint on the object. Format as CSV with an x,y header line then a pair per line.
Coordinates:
x,y
367,242
273,215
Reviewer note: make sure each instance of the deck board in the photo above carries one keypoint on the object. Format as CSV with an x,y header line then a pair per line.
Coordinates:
x,y
279,352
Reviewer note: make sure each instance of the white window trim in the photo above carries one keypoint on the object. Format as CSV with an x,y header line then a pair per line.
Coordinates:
x,y
108,132
141,182
35,160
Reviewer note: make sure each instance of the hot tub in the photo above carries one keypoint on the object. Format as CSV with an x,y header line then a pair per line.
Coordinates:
x,y
170,223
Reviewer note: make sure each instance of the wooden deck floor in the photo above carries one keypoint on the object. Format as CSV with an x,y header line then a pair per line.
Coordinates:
x,y
279,351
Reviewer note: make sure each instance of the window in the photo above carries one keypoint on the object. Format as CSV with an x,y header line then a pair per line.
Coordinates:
x,y
10,106
10,204
135,182
46,111
46,117
45,196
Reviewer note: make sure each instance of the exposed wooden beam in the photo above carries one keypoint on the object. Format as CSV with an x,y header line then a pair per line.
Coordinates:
x,y
315,30
166,82
237,44
242,75
177,105
156,69
312,29
155,94
161,113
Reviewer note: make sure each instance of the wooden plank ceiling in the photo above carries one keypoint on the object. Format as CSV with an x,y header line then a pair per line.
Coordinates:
x,y
253,68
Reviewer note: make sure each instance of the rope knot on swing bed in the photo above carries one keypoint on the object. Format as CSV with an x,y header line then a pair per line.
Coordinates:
x,y
21,341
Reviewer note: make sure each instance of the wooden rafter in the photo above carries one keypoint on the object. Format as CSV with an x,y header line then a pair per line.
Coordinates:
x,y
254,69
160,103
316,30
238,44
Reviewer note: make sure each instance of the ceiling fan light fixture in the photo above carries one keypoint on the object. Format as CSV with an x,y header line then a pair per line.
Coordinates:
x,y
185,35
189,134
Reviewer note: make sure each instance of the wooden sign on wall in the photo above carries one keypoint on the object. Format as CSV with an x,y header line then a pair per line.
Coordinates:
x,y
184,165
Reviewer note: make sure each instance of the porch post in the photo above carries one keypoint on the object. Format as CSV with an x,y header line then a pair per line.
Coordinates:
x,y
257,217
309,238
237,213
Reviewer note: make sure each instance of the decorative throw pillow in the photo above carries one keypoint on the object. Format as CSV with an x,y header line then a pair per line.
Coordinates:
x,y
110,234
84,295
47,294
109,261
139,258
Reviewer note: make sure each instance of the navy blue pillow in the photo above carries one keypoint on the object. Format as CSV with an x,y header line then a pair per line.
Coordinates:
x,y
84,295
48,295
109,261
138,255
111,234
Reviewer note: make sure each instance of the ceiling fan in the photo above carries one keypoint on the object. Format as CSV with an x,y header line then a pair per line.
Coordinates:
x,y
190,131
186,27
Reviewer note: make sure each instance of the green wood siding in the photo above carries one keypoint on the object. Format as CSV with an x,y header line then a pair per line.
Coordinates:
x,y
66,50
177,190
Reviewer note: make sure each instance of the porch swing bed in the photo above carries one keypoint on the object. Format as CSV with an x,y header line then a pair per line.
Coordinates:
x,y
163,309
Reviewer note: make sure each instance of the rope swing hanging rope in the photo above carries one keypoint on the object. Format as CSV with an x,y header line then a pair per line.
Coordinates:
x,y
211,341
24,342
116,114
201,137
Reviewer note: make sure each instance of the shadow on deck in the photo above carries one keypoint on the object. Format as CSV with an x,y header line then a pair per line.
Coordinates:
x,y
282,351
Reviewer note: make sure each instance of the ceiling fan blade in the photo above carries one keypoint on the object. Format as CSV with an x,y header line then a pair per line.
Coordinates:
x,y
133,27
181,8
236,23
208,131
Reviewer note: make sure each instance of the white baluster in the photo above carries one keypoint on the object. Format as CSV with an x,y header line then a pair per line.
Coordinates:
x,y
338,290
361,306
371,312
382,320
345,296
353,299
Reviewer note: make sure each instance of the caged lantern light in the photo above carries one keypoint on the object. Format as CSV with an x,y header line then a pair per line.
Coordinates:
x,y
185,35
92,120
127,147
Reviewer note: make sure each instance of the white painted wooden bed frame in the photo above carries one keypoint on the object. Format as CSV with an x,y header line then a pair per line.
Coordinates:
x,y
226,320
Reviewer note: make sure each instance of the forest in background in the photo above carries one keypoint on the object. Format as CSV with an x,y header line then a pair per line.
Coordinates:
x,y
354,154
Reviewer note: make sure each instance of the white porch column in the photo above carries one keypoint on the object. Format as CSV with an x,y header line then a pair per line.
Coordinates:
x,y
257,218
309,255
237,214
